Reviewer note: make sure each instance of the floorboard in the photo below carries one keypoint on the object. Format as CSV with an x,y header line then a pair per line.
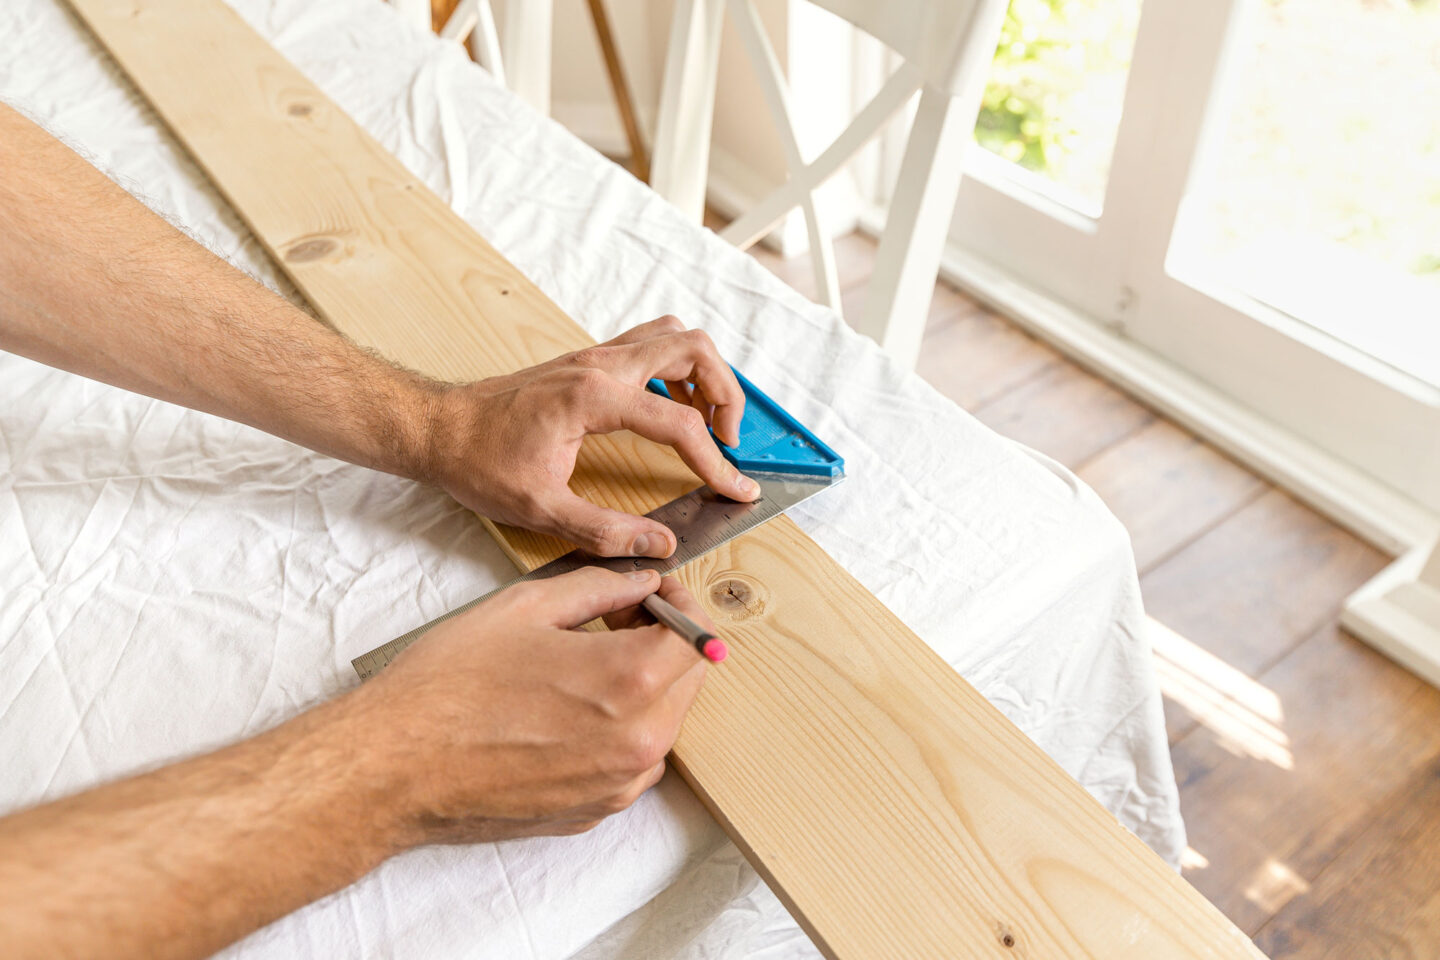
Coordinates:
x,y
947,304
1379,899
1283,771
1168,488
975,358
1063,411
1258,583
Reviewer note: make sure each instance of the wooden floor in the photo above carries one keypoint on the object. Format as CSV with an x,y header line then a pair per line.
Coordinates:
x,y
1309,765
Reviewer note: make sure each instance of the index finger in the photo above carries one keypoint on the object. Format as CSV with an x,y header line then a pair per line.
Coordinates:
x,y
675,425
691,356
574,598
671,590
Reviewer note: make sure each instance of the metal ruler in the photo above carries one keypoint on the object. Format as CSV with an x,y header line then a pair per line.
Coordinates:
x,y
702,520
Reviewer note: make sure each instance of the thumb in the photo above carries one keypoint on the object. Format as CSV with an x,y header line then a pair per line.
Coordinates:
x,y
607,533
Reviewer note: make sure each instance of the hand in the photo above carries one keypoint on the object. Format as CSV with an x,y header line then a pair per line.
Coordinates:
x,y
507,721
506,447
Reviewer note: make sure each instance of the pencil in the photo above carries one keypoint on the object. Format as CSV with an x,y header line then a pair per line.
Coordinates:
x,y
711,647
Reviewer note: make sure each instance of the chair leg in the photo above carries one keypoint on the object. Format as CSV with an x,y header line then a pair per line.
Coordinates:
x,y
624,102
526,51
484,42
898,300
681,157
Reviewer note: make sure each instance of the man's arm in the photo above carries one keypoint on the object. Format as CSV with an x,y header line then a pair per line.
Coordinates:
x,y
504,722
92,281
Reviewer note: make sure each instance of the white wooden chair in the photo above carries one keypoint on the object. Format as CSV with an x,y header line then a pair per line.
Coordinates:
x,y
946,47
520,60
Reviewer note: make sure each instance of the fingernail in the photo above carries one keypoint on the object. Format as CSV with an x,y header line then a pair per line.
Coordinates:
x,y
641,546
640,576
748,487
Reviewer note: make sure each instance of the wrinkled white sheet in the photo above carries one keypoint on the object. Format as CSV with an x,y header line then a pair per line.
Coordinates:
x,y
172,581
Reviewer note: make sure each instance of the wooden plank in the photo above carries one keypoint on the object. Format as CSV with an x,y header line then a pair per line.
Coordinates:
x,y
1255,586
946,304
1288,769
1167,487
974,357
1062,411
892,808
1381,899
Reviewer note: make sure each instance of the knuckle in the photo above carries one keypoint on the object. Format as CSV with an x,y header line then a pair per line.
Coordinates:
x,y
615,804
526,594
588,357
625,799
701,340
639,750
609,534
588,381
530,504
643,682
691,422
583,388
671,323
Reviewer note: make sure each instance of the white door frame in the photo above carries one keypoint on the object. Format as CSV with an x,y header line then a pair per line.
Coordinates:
x,y
1115,268
1346,432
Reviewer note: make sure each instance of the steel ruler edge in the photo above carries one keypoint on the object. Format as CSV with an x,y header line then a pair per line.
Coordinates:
x,y
701,520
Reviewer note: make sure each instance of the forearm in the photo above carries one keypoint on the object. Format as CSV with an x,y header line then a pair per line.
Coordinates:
x,y
179,862
93,282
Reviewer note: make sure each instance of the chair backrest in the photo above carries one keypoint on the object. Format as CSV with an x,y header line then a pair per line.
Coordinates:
x,y
521,58
930,34
946,47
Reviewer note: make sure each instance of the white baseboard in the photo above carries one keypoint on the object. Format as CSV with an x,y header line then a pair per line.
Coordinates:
x,y
1394,612
1399,614
1368,508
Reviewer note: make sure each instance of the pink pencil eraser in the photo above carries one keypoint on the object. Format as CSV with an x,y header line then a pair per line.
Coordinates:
x,y
715,650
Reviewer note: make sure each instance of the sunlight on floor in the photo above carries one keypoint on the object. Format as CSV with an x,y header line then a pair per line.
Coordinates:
x,y
1273,885
1243,714
1193,859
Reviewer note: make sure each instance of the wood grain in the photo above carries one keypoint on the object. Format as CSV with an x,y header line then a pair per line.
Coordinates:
x,y
1285,773
1167,487
975,357
1379,900
1256,585
946,304
893,809
1062,411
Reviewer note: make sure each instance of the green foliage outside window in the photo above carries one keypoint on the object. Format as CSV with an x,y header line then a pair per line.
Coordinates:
x,y
1053,101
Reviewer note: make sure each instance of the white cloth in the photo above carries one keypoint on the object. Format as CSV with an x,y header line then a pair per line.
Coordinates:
x,y
172,581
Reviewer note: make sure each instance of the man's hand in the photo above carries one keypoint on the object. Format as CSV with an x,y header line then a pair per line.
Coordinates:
x,y
503,722
511,722
92,282
506,447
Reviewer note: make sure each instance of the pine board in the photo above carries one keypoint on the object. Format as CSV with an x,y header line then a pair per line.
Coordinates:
x,y
892,808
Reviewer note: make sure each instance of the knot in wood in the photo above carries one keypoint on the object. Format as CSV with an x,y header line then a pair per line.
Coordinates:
x,y
300,109
1006,937
736,597
315,248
